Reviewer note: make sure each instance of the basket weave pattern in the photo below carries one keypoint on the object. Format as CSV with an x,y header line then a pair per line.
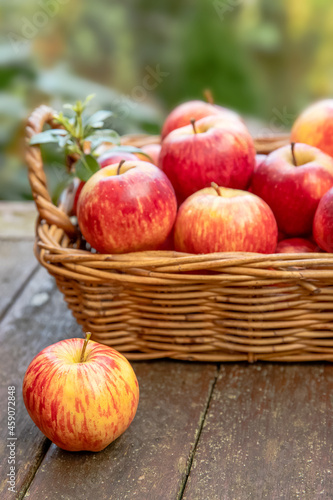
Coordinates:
x,y
214,307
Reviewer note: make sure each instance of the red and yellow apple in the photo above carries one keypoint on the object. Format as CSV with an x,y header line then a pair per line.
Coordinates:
x,y
127,207
218,219
104,160
296,245
258,161
194,110
315,126
292,182
80,403
153,150
209,150
323,223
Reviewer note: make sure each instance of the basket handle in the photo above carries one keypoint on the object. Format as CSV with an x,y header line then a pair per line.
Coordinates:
x,y
37,178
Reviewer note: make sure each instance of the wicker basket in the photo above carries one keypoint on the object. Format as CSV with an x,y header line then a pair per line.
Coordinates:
x,y
148,305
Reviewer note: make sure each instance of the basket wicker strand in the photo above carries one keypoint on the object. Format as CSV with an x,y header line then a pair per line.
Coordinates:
x,y
214,307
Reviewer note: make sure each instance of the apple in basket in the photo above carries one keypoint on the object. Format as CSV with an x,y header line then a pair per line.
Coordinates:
x,y
81,394
296,245
194,110
104,160
126,207
323,222
153,150
292,181
213,149
315,126
218,219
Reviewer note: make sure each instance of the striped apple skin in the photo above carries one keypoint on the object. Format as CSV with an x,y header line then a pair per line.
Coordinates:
x,y
314,126
129,212
235,221
80,406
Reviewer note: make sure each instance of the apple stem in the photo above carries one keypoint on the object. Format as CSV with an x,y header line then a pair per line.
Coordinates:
x,y
293,153
193,125
85,343
119,166
217,188
208,96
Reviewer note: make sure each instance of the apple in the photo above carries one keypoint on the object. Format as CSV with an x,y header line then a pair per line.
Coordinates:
x,y
315,126
218,219
104,160
258,161
194,110
209,150
323,223
153,150
112,157
296,245
81,394
292,180
127,207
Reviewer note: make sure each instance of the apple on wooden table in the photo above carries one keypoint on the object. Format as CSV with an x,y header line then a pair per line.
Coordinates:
x,y
218,219
212,149
127,207
292,181
81,394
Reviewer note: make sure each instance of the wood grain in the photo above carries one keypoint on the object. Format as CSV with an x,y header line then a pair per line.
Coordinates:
x,y
39,318
150,460
17,263
268,434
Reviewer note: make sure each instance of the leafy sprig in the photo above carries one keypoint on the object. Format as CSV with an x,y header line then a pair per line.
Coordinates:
x,y
79,136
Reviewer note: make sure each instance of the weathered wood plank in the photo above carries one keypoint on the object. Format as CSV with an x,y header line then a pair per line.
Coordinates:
x,y
17,219
268,434
17,263
39,318
150,460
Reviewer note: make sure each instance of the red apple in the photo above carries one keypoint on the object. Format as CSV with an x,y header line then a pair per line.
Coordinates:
x,y
112,157
184,113
211,150
80,405
323,222
315,126
104,160
153,150
293,186
258,161
281,236
296,245
127,208
218,219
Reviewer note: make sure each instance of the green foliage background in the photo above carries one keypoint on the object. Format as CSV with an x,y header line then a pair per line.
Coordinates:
x,y
265,59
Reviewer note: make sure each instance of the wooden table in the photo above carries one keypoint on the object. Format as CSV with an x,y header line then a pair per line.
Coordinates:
x,y
202,431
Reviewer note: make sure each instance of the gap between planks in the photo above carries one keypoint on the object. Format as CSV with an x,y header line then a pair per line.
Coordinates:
x,y
201,424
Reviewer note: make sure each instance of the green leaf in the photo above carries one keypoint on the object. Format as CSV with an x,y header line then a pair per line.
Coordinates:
x,y
52,135
85,167
97,119
100,136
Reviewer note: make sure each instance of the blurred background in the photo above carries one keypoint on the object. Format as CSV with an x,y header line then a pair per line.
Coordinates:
x,y
265,59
